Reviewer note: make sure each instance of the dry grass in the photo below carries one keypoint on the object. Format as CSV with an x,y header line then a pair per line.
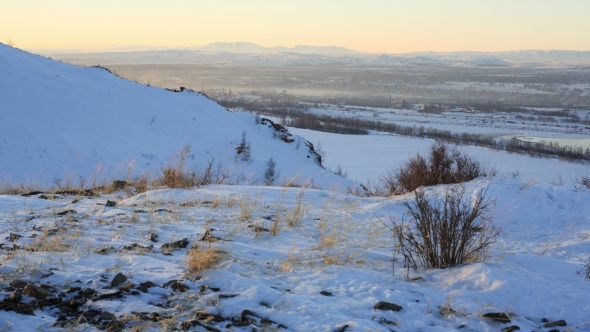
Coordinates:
x,y
203,259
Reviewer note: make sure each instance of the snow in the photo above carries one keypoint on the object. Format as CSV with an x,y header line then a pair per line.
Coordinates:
x,y
531,273
326,240
69,123
367,157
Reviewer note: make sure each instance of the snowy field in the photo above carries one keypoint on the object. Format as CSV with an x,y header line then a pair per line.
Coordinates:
x,y
367,157
327,267
496,125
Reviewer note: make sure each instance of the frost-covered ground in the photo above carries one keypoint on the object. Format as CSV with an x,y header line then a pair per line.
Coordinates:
x,y
327,270
367,157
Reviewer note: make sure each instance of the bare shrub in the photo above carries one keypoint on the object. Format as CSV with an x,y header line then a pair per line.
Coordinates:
x,y
203,259
270,172
581,181
443,165
586,270
179,177
448,231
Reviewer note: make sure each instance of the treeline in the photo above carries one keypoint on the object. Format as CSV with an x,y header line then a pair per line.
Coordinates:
x,y
345,125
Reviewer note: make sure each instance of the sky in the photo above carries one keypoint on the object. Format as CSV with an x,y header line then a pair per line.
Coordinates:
x,y
379,26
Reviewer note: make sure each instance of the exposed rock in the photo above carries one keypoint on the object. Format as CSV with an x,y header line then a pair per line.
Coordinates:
x,y
227,296
49,301
560,322
188,324
118,279
342,329
144,286
176,244
32,193
107,316
72,289
511,328
49,197
17,283
19,308
63,213
154,237
498,317
112,295
115,326
177,286
324,293
104,251
387,306
65,309
208,237
37,292
135,246
110,203
126,287
15,297
14,237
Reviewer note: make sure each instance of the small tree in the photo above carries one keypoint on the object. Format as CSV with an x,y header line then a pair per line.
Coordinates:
x,y
270,173
244,148
448,231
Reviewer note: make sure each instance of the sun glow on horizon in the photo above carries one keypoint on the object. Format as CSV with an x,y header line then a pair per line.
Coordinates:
x,y
377,26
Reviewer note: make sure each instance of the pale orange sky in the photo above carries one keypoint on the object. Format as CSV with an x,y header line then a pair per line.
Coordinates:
x,y
389,26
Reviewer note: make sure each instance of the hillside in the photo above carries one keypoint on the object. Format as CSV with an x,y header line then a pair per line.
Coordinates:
x,y
60,122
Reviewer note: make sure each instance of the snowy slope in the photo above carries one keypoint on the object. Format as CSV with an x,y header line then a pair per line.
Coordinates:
x,y
326,271
59,121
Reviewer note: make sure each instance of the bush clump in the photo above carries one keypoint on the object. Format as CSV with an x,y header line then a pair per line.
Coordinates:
x,y
448,231
443,165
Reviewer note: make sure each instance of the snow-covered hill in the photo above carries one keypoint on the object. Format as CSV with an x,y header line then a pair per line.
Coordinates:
x,y
59,121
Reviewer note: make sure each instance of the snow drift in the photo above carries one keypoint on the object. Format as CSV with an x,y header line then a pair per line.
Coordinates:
x,y
59,121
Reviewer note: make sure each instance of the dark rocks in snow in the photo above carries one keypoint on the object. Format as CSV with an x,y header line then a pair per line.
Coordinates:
x,y
258,229
14,237
511,328
209,237
382,305
176,244
154,237
342,328
105,315
17,283
49,197
63,213
135,246
37,292
20,308
112,295
177,286
126,287
144,286
560,322
14,297
498,317
118,279
32,193
104,251
325,293
110,204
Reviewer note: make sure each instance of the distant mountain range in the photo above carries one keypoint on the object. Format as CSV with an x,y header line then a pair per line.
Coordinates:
x,y
244,54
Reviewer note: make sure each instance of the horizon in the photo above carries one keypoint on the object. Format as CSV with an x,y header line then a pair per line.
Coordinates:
x,y
377,26
121,48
